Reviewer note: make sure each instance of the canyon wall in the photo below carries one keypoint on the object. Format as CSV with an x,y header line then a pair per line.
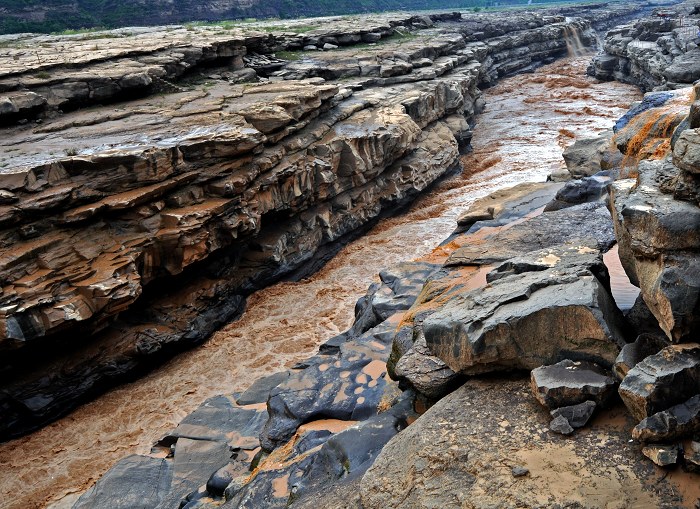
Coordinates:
x,y
134,229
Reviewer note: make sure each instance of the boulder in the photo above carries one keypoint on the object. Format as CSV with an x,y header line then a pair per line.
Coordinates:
x,y
658,238
633,353
588,156
537,309
662,380
569,383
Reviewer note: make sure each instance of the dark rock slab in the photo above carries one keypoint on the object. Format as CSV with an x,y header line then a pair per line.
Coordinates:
x,y
662,380
260,390
585,190
633,353
662,455
589,224
506,205
346,386
577,416
569,383
651,100
677,422
136,482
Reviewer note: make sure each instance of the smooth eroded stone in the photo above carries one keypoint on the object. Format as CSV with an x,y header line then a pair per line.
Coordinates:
x,y
662,380
569,383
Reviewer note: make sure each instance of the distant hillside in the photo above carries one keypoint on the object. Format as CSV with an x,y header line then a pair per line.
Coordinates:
x,y
58,15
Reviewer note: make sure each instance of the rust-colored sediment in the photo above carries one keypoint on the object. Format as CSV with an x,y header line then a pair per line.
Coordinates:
x,y
517,140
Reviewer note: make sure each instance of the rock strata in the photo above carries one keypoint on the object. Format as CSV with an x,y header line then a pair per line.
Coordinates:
x,y
134,229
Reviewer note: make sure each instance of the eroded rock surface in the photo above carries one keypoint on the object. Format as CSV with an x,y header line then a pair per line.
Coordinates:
x,y
134,230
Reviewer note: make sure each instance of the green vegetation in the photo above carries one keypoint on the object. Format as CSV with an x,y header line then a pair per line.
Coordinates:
x,y
291,56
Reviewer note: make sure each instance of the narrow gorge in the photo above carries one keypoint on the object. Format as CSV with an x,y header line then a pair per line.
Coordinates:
x,y
159,183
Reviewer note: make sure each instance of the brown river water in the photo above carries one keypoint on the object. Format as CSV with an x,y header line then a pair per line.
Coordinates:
x,y
519,138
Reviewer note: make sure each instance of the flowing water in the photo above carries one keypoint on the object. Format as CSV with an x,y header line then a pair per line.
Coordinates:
x,y
519,138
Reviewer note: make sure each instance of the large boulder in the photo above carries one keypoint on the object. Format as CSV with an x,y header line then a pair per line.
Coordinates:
x,y
659,237
537,309
588,156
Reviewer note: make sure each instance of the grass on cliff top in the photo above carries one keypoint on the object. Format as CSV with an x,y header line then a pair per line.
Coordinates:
x,y
248,23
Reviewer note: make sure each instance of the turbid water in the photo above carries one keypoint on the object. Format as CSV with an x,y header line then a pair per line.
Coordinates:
x,y
519,138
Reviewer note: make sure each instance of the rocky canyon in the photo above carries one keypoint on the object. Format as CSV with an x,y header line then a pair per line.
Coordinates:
x,y
189,213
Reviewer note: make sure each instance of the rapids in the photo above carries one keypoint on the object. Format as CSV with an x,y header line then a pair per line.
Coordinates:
x,y
519,138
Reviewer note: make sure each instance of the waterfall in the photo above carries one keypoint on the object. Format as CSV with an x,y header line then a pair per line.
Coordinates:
x,y
574,46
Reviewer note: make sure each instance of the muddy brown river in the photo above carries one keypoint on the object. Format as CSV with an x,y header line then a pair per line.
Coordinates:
x,y
519,138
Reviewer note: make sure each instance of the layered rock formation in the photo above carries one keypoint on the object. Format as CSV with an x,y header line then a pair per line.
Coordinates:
x,y
136,229
658,52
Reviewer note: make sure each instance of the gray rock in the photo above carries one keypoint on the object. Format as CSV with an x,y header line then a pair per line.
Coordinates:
x,y
576,415
588,156
328,46
679,421
660,381
259,392
633,353
685,68
519,471
658,241
662,455
588,224
569,383
536,309
136,482
560,425
346,386
585,190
